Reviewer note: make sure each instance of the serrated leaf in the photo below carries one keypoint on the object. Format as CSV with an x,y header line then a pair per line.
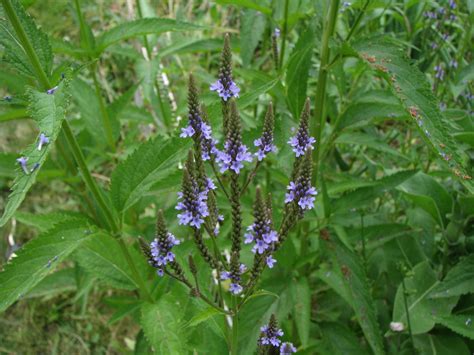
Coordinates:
x,y
461,324
419,284
297,73
141,27
14,53
48,111
458,281
354,280
37,258
252,26
103,258
441,344
46,221
152,161
341,340
410,85
61,281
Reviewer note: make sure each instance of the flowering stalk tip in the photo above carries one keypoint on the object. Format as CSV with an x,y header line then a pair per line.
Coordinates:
x,y
265,142
302,141
225,86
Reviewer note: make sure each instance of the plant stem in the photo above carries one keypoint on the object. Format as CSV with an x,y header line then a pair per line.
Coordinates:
x,y
103,109
76,151
407,311
235,328
285,33
318,125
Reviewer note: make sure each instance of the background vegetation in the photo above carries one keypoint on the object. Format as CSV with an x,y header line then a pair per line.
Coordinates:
x,y
383,264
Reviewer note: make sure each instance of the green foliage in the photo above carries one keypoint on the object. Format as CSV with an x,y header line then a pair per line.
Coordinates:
x,y
461,324
14,53
152,161
414,93
140,28
350,273
458,281
422,310
39,257
252,28
48,111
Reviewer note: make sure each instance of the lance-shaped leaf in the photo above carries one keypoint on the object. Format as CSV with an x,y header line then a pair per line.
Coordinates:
x,y
152,161
48,111
35,260
14,53
412,88
458,281
349,269
140,28
461,324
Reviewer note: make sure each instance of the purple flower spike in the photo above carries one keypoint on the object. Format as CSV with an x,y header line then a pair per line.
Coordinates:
x,y
52,90
42,141
235,287
270,334
301,194
225,93
302,141
22,161
233,156
160,249
265,142
287,348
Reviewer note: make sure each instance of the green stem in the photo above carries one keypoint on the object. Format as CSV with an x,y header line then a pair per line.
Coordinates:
x,y
318,127
235,328
285,32
76,151
103,109
20,31
407,310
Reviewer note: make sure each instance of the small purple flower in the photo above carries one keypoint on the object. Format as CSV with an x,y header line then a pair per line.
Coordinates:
x,y
270,261
42,141
445,36
160,272
160,249
302,194
434,45
7,98
193,209
452,4
265,146
453,63
439,72
52,90
22,161
270,335
277,32
287,348
233,156
225,92
235,288
302,141
35,166
442,106
187,132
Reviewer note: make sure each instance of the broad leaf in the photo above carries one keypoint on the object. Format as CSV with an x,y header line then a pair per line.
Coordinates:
x,y
37,258
421,281
152,161
140,28
414,92
48,112
302,308
441,344
458,281
103,258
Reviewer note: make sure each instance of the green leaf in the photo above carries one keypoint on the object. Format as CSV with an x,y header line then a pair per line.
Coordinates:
x,y
441,344
301,294
37,258
203,316
61,281
249,4
297,73
370,141
430,195
363,195
14,54
351,272
140,28
341,340
48,111
152,161
458,281
412,88
103,258
461,324
419,284
46,221
252,26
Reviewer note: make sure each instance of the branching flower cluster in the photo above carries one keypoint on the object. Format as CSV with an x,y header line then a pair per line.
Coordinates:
x,y
197,201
